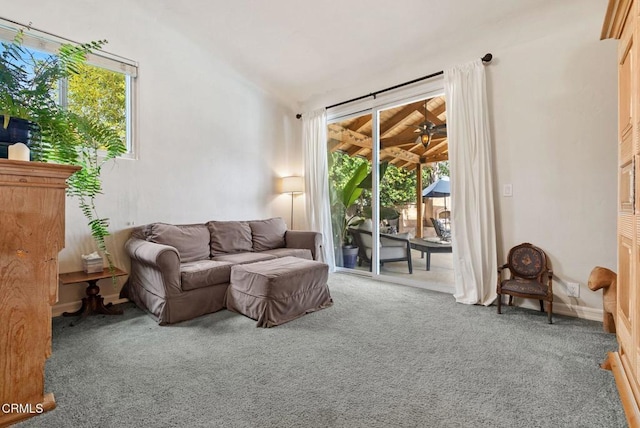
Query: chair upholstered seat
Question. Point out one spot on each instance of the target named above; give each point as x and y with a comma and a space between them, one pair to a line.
524, 286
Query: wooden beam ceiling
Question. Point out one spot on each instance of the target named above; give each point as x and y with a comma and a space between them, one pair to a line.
398, 117
397, 136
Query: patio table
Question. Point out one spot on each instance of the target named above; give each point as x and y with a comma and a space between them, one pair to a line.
428, 247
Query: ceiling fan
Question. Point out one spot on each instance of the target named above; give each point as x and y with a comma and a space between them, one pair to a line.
428, 129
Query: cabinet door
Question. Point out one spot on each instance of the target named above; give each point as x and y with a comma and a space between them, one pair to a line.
634, 191
626, 320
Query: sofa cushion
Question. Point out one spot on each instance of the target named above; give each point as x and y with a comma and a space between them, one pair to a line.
204, 273
243, 258
301, 253
191, 240
268, 234
230, 237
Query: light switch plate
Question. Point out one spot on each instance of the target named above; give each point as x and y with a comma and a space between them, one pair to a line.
507, 190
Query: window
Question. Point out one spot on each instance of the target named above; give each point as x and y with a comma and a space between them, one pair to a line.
100, 94
102, 90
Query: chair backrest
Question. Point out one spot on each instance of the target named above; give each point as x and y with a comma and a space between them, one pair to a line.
527, 261
394, 222
440, 231
362, 239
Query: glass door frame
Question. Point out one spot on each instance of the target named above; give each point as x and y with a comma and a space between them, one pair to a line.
423, 90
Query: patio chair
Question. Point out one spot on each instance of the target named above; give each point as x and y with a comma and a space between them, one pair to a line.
393, 248
530, 278
441, 231
445, 219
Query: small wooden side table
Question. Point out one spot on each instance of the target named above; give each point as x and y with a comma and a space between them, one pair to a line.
93, 303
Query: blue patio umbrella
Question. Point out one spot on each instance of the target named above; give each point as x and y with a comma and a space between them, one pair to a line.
441, 188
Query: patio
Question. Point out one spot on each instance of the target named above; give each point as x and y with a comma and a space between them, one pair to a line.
440, 277
399, 126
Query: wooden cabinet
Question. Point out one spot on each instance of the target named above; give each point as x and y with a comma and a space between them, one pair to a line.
32, 202
621, 22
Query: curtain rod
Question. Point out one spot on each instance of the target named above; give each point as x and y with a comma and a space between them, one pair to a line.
485, 59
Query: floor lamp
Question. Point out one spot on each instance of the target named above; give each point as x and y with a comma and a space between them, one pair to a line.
293, 185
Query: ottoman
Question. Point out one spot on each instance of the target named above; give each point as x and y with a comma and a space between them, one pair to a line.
276, 291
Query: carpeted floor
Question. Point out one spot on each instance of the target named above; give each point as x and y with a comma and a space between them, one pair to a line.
383, 356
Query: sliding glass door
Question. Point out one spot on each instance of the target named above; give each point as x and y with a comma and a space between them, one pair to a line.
380, 162
350, 148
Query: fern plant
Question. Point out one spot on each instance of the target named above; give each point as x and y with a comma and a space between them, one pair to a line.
28, 90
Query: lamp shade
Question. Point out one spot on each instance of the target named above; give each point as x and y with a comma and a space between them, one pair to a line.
292, 184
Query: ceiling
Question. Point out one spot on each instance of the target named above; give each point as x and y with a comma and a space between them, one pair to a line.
298, 49
397, 135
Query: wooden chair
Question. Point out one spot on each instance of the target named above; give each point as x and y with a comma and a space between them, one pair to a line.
530, 277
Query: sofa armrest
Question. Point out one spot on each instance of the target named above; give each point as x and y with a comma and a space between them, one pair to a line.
305, 239
155, 267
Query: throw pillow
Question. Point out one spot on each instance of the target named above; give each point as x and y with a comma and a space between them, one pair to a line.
230, 237
441, 230
191, 240
268, 234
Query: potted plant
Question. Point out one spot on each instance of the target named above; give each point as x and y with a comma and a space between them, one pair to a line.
347, 211
345, 214
28, 94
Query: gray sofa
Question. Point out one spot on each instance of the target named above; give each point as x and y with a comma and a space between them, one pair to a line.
179, 272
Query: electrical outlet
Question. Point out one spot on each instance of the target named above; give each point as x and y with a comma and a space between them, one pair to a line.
573, 289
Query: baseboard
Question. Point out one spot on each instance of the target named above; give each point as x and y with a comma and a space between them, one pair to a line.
562, 308
58, 309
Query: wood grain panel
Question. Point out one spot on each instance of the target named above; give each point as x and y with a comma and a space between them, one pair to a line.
615, 19
32, 197
626, 188
626, 146
626, 225
624, 88
621, 22
627, 394
625, 251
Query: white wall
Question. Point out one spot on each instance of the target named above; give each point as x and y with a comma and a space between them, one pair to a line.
211, 145
552, 100
554, 111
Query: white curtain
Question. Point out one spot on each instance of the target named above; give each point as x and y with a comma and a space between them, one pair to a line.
316, 179
473, 218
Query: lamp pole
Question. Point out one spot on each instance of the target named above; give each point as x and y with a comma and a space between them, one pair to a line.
292, 185
292, 193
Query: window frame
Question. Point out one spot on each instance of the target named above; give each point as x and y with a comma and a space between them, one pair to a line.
49, 44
